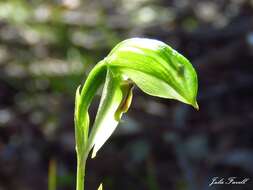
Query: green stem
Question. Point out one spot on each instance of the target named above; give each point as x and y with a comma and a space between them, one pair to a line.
52, 175
80, 173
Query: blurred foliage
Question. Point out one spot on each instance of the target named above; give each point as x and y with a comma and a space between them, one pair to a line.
48, 47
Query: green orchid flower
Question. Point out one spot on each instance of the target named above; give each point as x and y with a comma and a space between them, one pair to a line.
152, 66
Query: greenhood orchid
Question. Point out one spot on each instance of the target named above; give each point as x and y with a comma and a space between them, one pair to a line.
152, 66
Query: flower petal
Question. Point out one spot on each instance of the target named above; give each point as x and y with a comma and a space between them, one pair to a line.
114, 102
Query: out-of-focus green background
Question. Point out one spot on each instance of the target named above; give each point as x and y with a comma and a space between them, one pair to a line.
47, 48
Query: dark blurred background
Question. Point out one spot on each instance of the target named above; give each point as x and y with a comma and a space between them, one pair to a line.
47, 48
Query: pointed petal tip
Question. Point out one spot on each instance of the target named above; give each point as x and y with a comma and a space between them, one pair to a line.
100, 187
78, 92
94, 152
78, 89
195, 105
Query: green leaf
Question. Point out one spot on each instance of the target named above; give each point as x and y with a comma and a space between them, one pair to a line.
156, 68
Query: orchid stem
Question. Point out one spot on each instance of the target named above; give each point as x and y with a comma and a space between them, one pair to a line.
80, 173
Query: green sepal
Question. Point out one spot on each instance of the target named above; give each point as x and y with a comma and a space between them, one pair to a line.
84, 96
155, 68
81, 124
